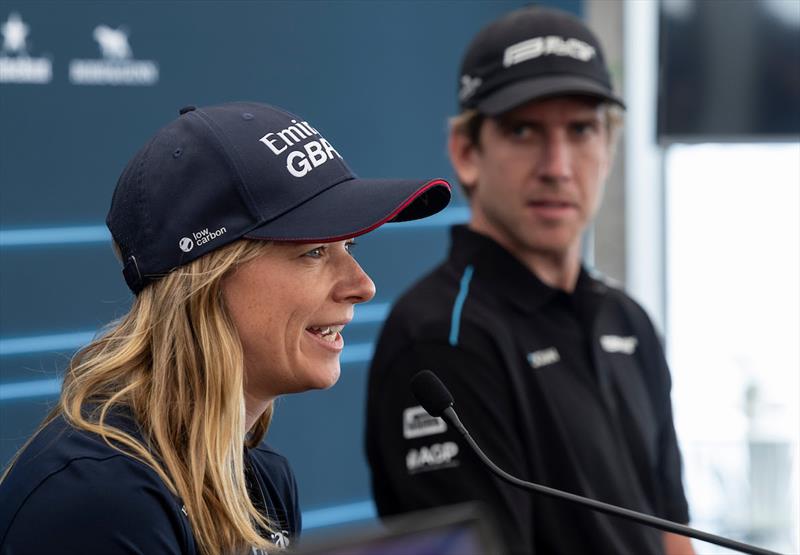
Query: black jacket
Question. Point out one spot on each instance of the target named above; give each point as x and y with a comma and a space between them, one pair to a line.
71, 493
566, 390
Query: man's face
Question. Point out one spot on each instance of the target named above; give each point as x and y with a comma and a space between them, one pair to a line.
537, 175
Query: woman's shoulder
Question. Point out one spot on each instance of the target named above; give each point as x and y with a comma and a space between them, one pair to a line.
280, 488
86, 491
273, 465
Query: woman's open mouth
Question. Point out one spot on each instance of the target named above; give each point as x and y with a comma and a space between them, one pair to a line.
328, 336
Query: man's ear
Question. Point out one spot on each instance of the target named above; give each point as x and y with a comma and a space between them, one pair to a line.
463, 155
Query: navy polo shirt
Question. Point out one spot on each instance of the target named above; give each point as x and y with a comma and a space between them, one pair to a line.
70, 492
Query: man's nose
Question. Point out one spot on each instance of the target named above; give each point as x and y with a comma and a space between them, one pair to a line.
556, 162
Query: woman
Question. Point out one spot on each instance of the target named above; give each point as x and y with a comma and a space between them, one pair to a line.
234, 225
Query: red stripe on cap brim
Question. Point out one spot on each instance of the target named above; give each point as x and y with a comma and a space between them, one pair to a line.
406, 203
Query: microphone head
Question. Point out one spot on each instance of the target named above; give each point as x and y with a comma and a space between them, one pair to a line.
431, 392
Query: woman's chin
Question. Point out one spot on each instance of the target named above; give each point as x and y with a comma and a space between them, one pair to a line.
324, 377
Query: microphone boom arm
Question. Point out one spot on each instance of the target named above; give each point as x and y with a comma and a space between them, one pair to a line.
660, 523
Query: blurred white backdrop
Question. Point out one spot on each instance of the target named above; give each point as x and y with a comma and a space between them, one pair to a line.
733, 334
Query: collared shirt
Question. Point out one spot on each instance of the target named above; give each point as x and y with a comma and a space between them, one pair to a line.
70, 492
569, 390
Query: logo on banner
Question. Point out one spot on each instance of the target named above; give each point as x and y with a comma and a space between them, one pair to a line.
16, 65
117, 66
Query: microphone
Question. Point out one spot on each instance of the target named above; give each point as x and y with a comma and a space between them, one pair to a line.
438, 401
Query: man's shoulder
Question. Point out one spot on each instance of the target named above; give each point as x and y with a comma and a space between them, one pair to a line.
431, 291
432, 303
615, 293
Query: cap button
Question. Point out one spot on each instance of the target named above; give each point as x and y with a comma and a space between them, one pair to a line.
187, 109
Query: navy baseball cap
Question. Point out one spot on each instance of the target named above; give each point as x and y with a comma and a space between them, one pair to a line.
247, 170
528, 54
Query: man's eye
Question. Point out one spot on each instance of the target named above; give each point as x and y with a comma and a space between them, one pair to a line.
316, 253
520, 131
349, 246
583, 128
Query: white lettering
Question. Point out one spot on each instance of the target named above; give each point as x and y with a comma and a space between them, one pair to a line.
617, 344
271, 144
329, 149
302, 130
26, 70
315, 154
290, 135
303, 167
550, 45
438, 455
308, 128
418, 423
201, 238
543, 357
117, 72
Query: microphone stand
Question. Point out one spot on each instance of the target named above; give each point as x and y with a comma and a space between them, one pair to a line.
660, 523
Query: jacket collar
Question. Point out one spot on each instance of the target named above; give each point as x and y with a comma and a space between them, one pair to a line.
498, 270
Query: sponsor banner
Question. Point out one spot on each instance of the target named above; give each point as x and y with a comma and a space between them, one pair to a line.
117, 65
16, 64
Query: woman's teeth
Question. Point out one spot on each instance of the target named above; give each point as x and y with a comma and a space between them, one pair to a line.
328, 333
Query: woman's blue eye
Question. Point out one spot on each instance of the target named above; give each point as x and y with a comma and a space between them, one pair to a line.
315, 253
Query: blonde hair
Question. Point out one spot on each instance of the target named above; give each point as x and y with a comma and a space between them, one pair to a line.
176, 363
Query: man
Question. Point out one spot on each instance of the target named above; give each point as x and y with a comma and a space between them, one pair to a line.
560, 377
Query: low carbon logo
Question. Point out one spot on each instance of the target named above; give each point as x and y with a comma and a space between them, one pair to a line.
186, 244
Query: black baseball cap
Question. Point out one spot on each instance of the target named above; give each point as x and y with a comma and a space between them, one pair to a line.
528, 54
247, 170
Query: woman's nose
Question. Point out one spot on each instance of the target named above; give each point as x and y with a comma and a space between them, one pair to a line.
356, 286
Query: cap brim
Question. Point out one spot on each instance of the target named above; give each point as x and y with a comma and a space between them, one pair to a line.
354, 207
520, 92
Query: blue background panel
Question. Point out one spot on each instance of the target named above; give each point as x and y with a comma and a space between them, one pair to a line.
377, 78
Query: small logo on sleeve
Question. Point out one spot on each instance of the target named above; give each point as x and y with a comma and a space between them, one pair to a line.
543, 357
619, 344
418, 423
